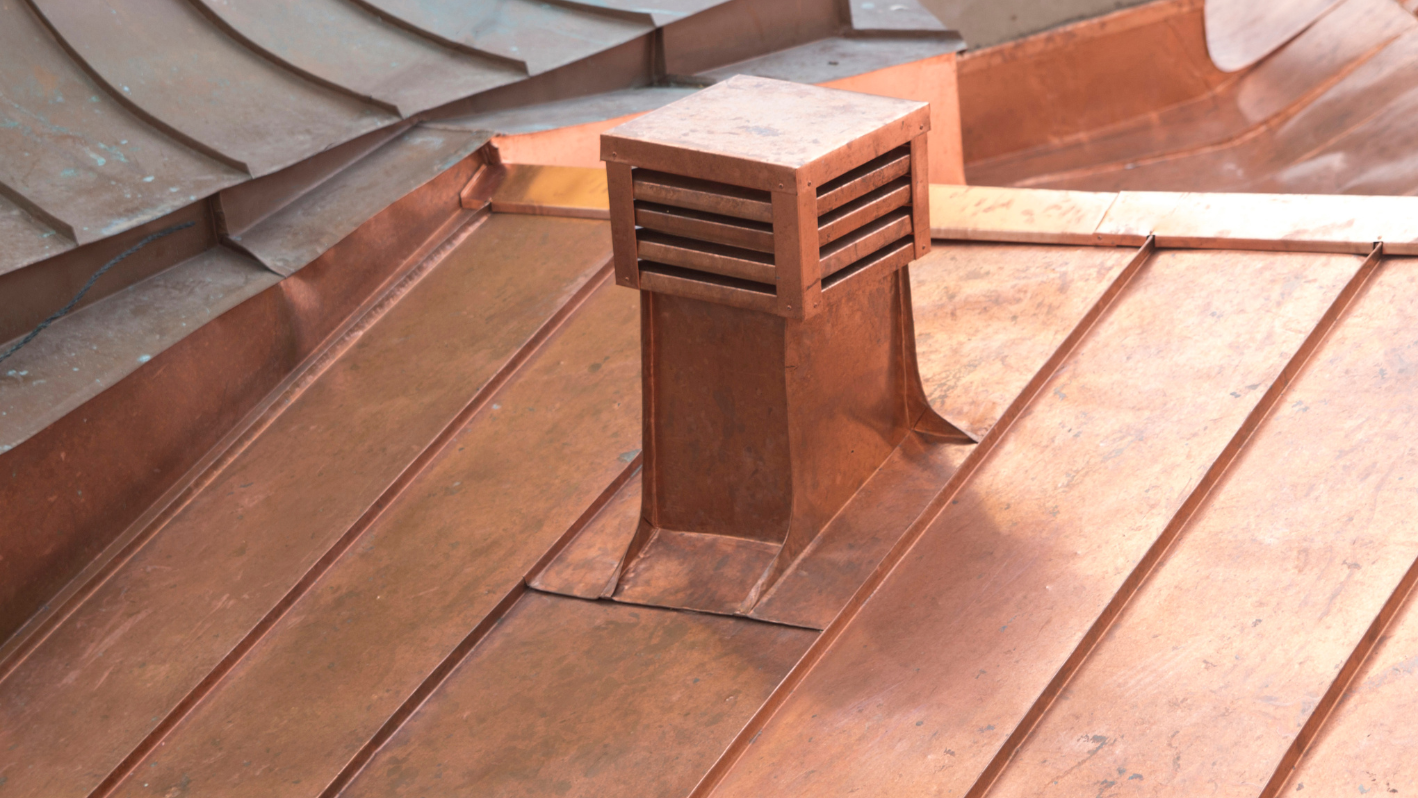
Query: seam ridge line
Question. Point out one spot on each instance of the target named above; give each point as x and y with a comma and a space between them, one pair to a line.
125, 546
917, 528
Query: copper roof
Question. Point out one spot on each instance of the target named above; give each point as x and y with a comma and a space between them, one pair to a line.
1328, 111
356, 532
120, 115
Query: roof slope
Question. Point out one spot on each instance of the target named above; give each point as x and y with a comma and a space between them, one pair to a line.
342, 603
1328, 112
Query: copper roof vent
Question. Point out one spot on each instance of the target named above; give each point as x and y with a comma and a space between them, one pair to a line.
768, 226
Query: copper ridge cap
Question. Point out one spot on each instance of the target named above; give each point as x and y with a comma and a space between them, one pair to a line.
779, 367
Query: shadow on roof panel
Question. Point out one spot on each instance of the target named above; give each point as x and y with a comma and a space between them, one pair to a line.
168, 61
77, 157
661, 12
344, 45
540, 36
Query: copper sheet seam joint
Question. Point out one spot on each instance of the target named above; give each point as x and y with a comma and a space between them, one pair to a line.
768, 226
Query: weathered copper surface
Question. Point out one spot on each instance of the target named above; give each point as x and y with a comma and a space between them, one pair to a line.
967, 213
1326, 113
102, 343
533, 36
1239, 33
343, 45
165, 61
1033, 541
588, 565
989, 317
73, 499
74, 158
421, 576
317, 220
272, 518
32, 294
818, 584
1228, 675
577, 698
1013, 96
1276, 222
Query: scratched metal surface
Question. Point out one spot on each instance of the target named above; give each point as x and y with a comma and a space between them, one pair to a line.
77, 157
461, 537
168, 62
533, 36
1229, 675
974, 621
344, 45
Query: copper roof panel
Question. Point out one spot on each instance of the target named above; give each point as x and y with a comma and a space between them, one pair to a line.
207, 577
988, 317
77, 158
301, 231
1151, 58
100, 344
1367, 744
870, 15
168, 61
565, 113
1303, 74
1225, 652
24, 239
841, 57
660, 12
539, 36
1373, 157
1240, 32
588, 565
343, 45
817, 586
986, 213
463, 535
973, 622
578, 698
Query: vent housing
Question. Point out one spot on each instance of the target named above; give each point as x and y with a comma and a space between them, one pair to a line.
746, 215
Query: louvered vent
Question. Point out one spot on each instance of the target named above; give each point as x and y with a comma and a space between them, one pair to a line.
722, 235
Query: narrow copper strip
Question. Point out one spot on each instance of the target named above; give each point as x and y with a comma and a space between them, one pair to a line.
972, 463
353, 534
19, 647
1179, 522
